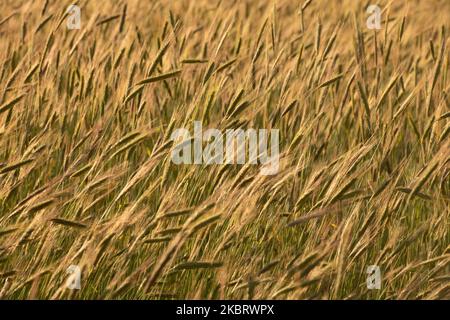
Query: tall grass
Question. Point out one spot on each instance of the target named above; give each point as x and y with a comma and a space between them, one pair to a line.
86, 176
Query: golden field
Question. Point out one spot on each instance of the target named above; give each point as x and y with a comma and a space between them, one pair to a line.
86, 176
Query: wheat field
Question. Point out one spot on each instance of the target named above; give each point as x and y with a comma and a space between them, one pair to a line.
86, 177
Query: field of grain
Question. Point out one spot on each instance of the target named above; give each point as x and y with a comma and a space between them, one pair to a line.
86, 177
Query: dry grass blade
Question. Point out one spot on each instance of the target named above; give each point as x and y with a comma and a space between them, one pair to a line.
68, 223
159, 78
8, 105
